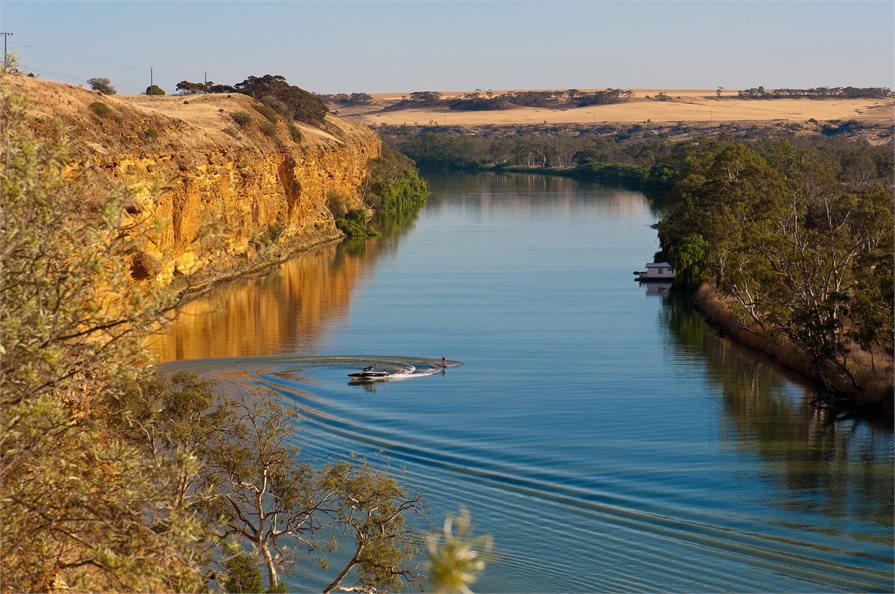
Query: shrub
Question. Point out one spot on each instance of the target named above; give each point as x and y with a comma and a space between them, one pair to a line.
354, 225
277, 105
155, 90
272, 233
100, 108
294, 132
301, 104
241, 118
270, 129
102, 85
268, 112
243, 575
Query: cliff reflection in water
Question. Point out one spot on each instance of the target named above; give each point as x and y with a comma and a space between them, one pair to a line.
285, 310
816, 464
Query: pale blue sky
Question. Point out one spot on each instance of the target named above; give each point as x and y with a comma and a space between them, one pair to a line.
377, 46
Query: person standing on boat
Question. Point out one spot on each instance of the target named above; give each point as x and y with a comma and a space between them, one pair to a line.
443, 361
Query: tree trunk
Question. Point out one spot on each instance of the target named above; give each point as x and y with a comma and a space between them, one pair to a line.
272, 579
337, 582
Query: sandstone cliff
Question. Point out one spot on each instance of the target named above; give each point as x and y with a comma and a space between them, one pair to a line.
215, 194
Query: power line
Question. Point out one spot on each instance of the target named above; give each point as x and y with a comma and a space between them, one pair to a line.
70, 55
71, 77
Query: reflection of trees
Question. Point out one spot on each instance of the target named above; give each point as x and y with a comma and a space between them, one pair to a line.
847, 462
532, 192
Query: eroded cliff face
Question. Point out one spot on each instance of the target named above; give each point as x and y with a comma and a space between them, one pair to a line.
212, 196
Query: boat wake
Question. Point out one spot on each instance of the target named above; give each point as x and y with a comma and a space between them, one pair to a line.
396, 368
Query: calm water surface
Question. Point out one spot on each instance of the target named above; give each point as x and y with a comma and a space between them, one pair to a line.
605, 437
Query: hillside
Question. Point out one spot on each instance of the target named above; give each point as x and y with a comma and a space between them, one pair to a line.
191, 167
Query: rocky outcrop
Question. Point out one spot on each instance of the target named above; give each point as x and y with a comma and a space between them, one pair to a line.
211, 196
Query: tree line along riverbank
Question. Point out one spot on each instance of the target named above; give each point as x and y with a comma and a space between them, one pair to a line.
785, 240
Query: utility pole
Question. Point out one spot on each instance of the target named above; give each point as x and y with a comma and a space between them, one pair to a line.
150, 76
206, 79
5, 37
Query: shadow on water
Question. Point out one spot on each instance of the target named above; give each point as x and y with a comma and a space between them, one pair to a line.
837, 468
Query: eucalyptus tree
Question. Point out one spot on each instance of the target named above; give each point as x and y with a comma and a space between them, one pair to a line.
274, 504
372, 509
780, 235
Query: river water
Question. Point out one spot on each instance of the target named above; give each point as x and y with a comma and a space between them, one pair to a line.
604, 436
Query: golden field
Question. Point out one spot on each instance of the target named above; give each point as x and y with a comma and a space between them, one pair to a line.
689, 105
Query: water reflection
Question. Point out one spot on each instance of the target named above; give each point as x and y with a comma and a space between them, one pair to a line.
523, 193
285, 310
660, 288
842, 469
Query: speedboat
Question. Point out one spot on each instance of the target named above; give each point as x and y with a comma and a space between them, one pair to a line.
369, 374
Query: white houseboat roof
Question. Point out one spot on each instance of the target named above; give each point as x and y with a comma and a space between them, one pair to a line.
658, 265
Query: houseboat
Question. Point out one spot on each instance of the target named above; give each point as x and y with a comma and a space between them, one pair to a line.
656, 272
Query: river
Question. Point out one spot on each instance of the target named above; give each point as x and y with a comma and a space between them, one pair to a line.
605, 437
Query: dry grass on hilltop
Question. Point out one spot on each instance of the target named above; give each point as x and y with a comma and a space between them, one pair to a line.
685, 106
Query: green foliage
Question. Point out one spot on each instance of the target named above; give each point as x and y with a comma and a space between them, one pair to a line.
103, 85
186, 87
688, 257
779, 234
299, 104
253, 473
100, 109
606, 156
243, 575
276, 105
394, 190
268, 112
241, 118
354, 225
456, 557
155, 90
372, 508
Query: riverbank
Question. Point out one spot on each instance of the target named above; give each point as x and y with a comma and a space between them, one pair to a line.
872, 395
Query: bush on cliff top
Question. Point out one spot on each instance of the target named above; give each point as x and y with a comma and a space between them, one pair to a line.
298, 103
